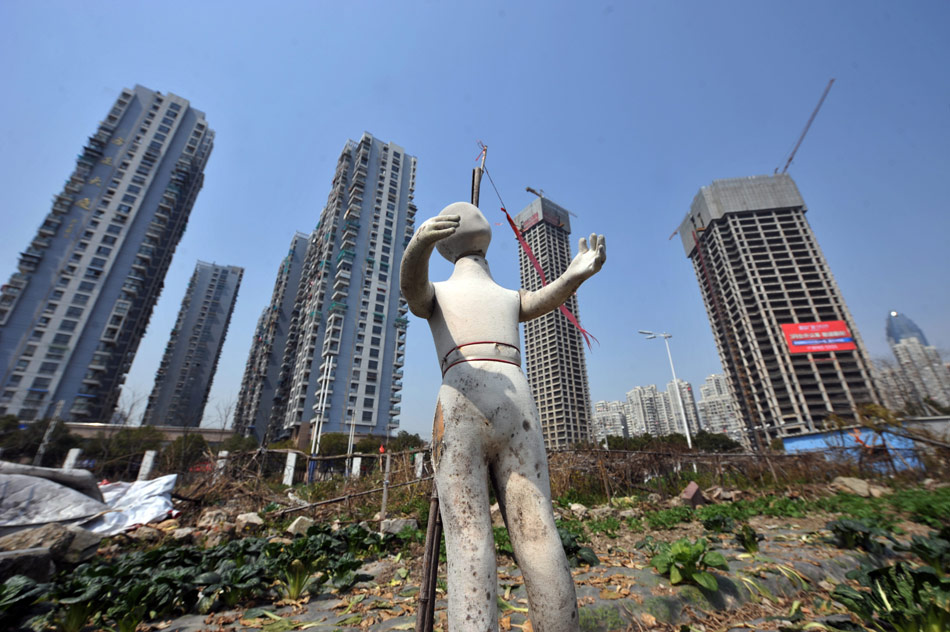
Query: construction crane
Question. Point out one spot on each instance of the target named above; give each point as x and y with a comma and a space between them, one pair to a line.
540, 194
811, 119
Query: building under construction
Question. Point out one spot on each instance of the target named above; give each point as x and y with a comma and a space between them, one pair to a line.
788, 343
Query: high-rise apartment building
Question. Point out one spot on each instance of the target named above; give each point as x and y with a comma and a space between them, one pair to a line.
184, 377
718, 410
787, 341
608, 420
674, 421
644, 409
72, 316
554, 349
658, 413
265, 370
921, 371
341, 362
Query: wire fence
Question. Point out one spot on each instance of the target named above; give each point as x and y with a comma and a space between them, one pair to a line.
400, 482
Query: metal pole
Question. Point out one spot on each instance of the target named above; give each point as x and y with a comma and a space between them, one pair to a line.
315, 439
318, 426
679, 396
382, 511
48, 435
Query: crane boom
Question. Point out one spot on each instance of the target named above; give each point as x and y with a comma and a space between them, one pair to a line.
811, 119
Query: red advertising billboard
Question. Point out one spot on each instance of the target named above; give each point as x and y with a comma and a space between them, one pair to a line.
830, 335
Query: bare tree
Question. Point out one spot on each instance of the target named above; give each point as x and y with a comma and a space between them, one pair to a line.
224, 410
126, 412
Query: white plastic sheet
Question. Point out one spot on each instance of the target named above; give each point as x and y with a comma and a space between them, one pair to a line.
30, 501
135, 503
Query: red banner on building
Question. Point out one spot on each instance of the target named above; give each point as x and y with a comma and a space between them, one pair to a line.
830, 335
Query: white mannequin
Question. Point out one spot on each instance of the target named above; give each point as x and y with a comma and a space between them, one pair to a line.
486, 422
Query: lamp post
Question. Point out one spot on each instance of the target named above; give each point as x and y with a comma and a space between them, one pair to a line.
666, 338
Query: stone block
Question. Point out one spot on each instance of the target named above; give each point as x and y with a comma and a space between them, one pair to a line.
692, 495
248, 521
185, 535
852, 485
145, 534
54, 537
300, 526
599, 513
83, 547
396, 525
36, 563
579, 510
211, 517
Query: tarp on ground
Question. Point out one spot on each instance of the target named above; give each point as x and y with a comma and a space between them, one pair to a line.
79, 479
27, 501
135, 503
32, 501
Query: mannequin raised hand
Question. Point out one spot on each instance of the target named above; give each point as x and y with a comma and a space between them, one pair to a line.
589, 260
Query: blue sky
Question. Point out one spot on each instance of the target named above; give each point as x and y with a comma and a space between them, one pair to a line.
619, 111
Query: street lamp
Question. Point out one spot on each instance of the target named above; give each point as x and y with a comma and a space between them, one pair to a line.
679, 397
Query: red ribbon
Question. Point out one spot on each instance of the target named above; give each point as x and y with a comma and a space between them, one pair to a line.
537, 266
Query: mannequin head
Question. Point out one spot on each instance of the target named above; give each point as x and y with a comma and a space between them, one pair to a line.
471, 238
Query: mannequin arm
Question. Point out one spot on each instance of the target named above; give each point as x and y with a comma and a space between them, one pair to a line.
414, 269
586, 264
